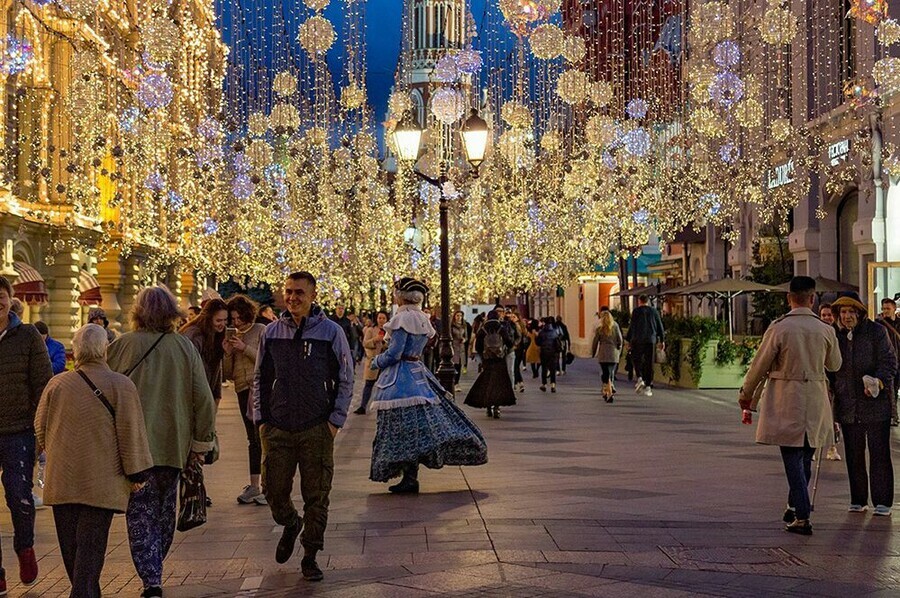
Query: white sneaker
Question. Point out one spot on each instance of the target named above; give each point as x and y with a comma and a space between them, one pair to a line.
639, 389
639, 384
648, 392
832, 454
38, 501
857, 509
248, 496
261, 500
882, 511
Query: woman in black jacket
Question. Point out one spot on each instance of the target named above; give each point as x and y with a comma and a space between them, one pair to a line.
862, 405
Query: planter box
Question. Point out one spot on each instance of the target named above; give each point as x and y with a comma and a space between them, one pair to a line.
712, 375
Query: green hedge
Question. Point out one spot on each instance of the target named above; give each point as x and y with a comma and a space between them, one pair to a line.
701, 331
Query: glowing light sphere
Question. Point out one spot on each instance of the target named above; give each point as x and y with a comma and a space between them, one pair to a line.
161, 39
601, 131
448, 105
781, 129
640, 217
155, 91
713, 22
637, 142
727, 89
257, 124
259, 153
285, 117
749, 113
636, 108
317, 5
778, 26
870, 11
574, 48
521, 13
245, 246
727, 54
468, 62
17, 54
516, 114
886, 73
600, 93
547, 41
241, 163
242, 186
316, 136
353, 96
889, 32
551, 142
208, 155
446, 70
210, 226
572, 86
284, 84
399, 103
706, 122
316, 35
209, 128
729, 152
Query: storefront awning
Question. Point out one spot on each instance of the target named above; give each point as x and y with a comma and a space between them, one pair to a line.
89, 289
29, 286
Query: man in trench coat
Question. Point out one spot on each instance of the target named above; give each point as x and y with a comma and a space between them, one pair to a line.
787, 382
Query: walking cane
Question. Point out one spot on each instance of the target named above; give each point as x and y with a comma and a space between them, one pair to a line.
812, 502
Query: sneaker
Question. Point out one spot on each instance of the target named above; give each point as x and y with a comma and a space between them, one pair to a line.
248, 495
38, 501
895, 422
639, 387
790, 515
496, 413
553, 388
857, 509
648, 391
882, 511
285, 548
543, 388
832, 454
151, 591
310, 569
799, 526
28, 567
261, 500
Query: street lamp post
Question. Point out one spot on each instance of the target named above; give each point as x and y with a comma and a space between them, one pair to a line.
407, 137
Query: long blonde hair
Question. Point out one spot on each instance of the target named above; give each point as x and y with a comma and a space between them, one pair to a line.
606, 323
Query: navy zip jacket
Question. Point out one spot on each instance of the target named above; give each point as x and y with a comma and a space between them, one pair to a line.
304, 375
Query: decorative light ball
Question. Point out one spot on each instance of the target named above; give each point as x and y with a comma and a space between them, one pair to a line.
636, 108
729, 152
284, 116
520, 13
601, 131
551, 142
446, 70
870, 11
259, 153
241, 163
317, 5
161, 39
468, 62
353, 96
547, 41
284, 84
364, 143
242, 186
209, 226
316, 136
727, 89
155, 91
516, 114
727, 54
16, 55
706, 122
129, 120
888, 32
886, 73
750, 113
637, 142
174, 201
209, 128
574, 48
399, 103
548, 8
81, 8
600, 93
778, 26
713, 22
208, 155
316, 35
448, 105
781, 129
572, 86
701, 76
257, 124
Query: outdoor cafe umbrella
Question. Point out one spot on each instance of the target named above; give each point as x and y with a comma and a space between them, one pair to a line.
728, 289
824, 285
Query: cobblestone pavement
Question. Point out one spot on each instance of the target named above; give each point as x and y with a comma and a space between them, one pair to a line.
648, 496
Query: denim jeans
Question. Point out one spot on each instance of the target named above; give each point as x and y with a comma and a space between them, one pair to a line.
798, 468
17, 460
367, 393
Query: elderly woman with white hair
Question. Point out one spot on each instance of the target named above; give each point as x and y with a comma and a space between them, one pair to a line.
90, 477
418, 422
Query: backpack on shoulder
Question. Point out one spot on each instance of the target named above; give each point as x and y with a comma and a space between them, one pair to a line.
493, 345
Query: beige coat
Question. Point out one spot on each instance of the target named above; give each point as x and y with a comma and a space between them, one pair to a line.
794, 354
373, 343
88, 454
240, 366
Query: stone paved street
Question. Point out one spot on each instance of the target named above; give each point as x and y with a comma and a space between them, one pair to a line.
649, 496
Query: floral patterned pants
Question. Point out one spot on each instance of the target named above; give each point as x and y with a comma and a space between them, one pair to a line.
151, 523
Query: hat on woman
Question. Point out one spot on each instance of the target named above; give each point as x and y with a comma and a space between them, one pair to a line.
850, 299
408, 284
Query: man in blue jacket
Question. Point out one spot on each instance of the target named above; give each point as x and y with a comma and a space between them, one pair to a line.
302, 390
55, 348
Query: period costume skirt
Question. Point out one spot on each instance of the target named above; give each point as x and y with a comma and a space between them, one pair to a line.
431, 434
492, 388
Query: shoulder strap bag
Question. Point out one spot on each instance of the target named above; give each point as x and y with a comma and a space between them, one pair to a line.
98, 393
144, 356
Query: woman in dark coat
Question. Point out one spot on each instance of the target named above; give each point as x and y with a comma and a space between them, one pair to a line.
863, 389
550, 342
493, 388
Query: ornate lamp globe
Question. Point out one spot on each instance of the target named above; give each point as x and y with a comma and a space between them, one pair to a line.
475, 134
407, 136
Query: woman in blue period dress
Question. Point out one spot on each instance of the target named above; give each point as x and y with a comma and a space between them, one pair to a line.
418, 422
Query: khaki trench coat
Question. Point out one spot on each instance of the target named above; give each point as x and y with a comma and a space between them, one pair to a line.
794, 354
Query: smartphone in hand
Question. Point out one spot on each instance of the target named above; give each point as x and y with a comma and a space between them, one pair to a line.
229, 333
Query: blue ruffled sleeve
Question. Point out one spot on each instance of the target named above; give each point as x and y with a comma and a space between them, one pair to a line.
394, 351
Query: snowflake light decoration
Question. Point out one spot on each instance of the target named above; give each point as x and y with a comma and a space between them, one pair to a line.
155, 91
16, 55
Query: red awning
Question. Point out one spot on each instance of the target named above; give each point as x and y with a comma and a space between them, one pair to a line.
29, 286
89, 289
